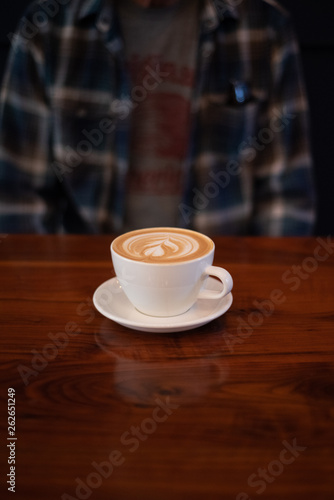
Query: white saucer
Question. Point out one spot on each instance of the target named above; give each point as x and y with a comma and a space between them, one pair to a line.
110, 300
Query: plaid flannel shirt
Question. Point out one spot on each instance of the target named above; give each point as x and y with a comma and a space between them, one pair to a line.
66, 114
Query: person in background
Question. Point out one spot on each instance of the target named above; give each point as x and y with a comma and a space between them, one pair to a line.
123, 114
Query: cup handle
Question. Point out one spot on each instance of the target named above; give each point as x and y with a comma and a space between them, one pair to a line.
226, 279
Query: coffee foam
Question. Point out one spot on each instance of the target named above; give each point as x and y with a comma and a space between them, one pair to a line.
162, 245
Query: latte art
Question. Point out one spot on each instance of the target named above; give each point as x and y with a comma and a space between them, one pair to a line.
162, 245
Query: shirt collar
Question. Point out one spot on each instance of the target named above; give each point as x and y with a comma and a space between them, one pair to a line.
218, 9
105, 19
104, 11
89, 7
214, 11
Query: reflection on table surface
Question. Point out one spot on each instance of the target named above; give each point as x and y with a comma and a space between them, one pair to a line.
239, 408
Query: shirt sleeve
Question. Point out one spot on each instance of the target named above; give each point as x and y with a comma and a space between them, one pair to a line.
284, 193
24, 137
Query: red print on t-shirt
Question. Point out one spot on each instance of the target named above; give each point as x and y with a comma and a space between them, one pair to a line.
160, 126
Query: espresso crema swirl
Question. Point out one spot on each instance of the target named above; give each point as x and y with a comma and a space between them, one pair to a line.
162, 246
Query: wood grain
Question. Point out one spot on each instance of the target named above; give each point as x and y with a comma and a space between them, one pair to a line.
240, 408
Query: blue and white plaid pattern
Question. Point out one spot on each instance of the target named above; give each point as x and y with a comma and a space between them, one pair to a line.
66, 116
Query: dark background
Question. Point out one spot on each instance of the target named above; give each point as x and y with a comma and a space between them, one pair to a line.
314, 23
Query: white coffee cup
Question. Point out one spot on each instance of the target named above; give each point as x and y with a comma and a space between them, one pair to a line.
163, 271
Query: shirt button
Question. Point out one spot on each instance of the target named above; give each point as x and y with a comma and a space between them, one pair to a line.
81, 112
103, 24
207, 50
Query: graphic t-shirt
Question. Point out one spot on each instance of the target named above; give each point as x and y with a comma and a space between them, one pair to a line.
160, 48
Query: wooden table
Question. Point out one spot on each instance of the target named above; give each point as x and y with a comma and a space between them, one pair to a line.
240, 408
